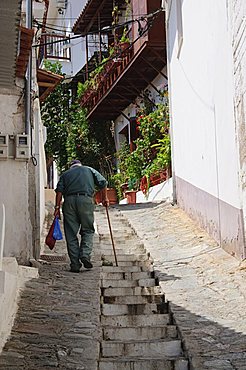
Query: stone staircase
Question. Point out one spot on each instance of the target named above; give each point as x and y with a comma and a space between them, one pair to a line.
137, 328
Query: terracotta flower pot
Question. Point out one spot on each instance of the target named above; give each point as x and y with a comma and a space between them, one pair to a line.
124, 45
112, 196
131, 196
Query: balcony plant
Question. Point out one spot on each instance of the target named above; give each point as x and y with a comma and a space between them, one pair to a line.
152, 156
124, 42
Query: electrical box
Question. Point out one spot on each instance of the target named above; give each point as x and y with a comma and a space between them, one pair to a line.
4, 146
22, 147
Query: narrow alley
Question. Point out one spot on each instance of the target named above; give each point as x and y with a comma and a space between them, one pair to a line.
113, 317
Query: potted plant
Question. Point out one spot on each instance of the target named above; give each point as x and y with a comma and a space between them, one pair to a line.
131, 193
124, 42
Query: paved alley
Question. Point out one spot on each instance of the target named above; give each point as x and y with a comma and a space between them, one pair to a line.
172, 298
204, 285
105, 319
57, 324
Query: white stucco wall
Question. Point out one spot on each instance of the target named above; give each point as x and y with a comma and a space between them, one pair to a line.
64, 22
201, 88
238, 29
14, 187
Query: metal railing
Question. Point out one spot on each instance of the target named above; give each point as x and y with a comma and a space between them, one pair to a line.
110, 73
55, 46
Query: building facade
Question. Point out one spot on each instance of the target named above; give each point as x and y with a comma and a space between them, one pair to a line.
206, 83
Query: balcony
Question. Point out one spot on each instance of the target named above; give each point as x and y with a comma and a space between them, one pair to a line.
130, 71
55, 46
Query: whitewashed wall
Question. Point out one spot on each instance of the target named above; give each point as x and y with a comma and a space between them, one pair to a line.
238, 29
15, 183
201, 86
64, 22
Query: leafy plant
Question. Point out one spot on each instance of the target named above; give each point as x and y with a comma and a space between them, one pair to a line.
69, 134
153, 149
124, 38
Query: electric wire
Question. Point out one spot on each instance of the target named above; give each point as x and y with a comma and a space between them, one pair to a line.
103, 30
117, 55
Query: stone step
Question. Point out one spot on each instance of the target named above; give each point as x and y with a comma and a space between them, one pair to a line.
128, 257
140, 364
145, 333
133, 309
118, 231
141, 291
107, 283
131, 263
158, 348
156, 320
107, 244
144, 268
127, 275
134, 299
126, 236
108, 250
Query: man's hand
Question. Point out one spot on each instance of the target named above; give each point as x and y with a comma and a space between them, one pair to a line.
57, 205
57, 213
105, 202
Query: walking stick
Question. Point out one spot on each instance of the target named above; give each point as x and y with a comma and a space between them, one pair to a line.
111, 234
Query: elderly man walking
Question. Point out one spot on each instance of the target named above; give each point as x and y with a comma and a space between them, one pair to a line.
77, 187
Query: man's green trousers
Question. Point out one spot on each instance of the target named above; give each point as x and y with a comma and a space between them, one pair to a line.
78, 213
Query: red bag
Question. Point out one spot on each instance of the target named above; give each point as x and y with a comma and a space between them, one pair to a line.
49, 240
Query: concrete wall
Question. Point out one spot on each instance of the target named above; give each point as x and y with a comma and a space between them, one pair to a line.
237, 13
205, 155
12, 279
157, 193
15, 182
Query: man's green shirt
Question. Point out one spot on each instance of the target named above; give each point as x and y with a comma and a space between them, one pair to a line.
80, 179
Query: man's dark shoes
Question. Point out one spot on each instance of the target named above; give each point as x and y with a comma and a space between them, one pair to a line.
87, 264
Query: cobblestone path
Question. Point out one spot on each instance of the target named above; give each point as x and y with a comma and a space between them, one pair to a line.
109, 318
205, 287
62, 321
57, 324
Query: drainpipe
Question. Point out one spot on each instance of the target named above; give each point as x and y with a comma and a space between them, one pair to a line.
2, 235
28, 83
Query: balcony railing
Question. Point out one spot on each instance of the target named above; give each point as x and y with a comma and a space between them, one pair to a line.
55, 46
124, 77
106, 78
